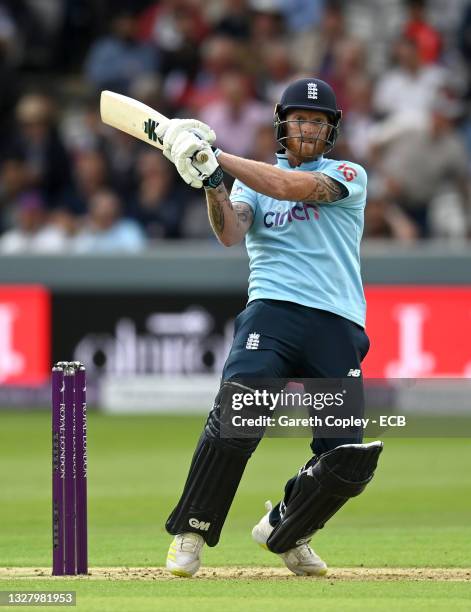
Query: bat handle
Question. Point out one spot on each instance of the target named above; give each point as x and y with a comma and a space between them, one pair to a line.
202, 157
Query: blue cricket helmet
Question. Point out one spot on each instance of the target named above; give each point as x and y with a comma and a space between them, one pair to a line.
310, 94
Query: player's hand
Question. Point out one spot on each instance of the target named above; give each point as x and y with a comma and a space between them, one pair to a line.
169, 132
196, 173
186, 146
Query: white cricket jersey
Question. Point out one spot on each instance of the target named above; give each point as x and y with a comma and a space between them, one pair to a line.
305, 252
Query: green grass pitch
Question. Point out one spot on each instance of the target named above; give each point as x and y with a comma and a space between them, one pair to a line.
415, 514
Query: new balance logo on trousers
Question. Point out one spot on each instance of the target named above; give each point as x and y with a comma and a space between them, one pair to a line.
354, 373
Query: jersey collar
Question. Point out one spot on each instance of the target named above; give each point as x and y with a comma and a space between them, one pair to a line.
282, 162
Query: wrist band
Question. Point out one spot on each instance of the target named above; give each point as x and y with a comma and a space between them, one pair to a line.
215, 179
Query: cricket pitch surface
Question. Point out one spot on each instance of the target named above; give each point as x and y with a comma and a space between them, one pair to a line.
250, 573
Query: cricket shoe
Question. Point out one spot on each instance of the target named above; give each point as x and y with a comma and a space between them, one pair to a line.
184, 554
301, 560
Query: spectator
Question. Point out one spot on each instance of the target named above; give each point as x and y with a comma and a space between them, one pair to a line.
236, 118
358, 121
417, 167
348, 62
84, 130
195, 224
32, 232
410, 86
220, 54
148, 89
265, 145
266, 22
121, 151
384, 219
158, 204
418, 29
302, 15
464, 35
276, 71
114, 61
14, 180
91, 177
37, 141
464, 45
81, 23
176, 28
235, 21
106, 231
171, 24
313, 52
9, 75
9, 34
376, 25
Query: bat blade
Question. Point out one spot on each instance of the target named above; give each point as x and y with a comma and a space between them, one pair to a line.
135, 118
131, 116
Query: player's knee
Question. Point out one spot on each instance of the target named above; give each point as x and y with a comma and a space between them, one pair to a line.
220, 415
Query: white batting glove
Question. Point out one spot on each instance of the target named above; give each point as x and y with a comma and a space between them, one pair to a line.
196, 173
186, 146
168, 133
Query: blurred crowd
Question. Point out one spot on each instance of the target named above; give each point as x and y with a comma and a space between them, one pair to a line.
401, 70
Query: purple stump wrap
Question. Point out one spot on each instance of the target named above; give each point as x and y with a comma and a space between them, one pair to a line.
81, 469
58, 467
69, 488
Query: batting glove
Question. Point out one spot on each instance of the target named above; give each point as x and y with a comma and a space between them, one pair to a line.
186, 146
184, 155
168, 133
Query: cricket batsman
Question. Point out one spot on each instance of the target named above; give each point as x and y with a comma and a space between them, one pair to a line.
302, 220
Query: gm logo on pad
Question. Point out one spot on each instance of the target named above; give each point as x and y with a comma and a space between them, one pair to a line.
200, 525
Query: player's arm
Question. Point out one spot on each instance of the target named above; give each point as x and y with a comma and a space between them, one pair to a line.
283, 184
230, 222
262, 178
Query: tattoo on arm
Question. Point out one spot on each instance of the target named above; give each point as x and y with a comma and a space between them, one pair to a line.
244, 215
221, 213
326, 189
218, 200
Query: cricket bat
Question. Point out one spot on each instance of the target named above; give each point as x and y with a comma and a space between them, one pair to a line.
135, 118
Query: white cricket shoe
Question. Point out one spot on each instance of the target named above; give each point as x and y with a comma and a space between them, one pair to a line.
301, 560
184, 554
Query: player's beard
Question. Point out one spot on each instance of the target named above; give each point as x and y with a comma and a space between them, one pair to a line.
307, 146
305, 149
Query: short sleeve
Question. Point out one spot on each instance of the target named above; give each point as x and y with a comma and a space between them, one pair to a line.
242, 193
353, 177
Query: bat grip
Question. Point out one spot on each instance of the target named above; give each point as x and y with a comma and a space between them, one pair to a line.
202, 157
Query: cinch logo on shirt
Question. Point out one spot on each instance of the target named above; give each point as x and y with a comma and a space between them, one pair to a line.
301, 211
